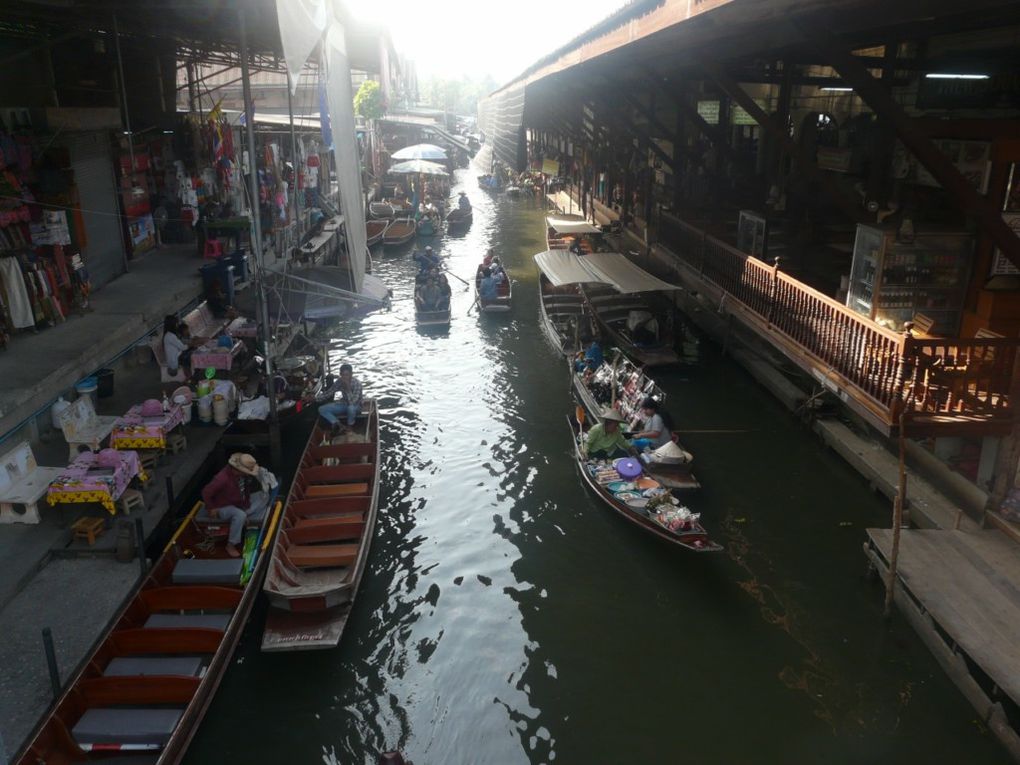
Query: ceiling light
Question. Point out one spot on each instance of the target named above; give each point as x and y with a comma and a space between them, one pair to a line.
835, 89
952, 76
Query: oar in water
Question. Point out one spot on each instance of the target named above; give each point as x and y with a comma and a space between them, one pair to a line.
466, 282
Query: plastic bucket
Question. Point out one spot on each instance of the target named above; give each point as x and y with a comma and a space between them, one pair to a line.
205, 409
87, 387
104, 382
220, 410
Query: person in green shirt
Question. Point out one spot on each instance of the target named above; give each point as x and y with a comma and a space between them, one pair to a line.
605, 440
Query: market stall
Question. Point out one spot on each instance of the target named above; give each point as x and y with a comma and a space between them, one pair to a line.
146, 425
96, 477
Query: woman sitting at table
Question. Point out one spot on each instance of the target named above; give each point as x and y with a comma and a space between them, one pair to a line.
176, 349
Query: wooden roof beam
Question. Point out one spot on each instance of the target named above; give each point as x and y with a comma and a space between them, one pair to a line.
849, 205
880, 100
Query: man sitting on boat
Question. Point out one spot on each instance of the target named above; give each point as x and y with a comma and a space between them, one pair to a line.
463, 202
426, 260
649, 426
605, 440
487, 286
349, 405
644, 327
230, 496
429, 297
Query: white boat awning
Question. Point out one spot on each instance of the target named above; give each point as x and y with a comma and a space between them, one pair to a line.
571, 226
563, 267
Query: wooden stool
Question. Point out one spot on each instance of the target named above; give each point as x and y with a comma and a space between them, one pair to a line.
131, 499
148, 459
88, 528
176, 442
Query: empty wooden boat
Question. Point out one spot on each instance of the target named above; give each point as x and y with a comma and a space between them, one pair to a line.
325, 533
638, 324
562, 230
375, 230
458, 219
399, 233
689, 534
381, 210
143, 692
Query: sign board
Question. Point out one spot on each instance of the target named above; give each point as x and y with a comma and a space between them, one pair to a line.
709, 111
1001, 265
550, 167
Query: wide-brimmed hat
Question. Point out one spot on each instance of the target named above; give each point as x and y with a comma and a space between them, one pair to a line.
244, 463
610, 414
671, 454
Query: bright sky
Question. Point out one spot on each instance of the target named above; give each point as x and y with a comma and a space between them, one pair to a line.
451, 38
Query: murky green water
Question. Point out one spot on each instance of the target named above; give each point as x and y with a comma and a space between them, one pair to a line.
506, 617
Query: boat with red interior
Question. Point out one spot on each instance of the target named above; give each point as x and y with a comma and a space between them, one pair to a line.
325, 532
142, 694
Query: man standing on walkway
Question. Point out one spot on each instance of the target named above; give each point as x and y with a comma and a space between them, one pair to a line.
349, 405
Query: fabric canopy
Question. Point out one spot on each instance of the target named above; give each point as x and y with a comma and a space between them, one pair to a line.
562, 267
302, 24
420, 151
571, 226
413, 166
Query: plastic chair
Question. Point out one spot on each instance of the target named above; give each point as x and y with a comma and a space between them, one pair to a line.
213, 249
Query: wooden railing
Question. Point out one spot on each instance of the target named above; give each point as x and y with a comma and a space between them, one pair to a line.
944, 379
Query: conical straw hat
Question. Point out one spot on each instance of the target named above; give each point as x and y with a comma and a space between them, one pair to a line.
670, 453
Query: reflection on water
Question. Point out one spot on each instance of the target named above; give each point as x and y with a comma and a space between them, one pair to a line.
505, 617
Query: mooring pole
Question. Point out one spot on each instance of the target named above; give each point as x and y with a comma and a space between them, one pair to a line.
140, 546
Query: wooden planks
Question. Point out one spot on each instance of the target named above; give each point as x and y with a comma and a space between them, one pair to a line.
969, 583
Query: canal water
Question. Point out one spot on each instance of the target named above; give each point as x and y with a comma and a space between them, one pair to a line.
508, 617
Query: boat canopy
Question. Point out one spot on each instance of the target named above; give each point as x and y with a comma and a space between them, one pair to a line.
562, 267
571, 226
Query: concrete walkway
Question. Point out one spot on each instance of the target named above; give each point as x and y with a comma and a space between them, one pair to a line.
37, 367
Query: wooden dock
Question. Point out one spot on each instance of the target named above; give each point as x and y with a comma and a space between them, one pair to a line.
961, 591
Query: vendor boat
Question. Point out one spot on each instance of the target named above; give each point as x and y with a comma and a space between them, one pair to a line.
513, 191
504, 295
145, 689
666, 521
328, 521
399, 233
375, 230
426, 226
459, 219
617, 315
628, 386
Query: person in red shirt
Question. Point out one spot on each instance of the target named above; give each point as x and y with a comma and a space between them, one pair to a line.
237, 493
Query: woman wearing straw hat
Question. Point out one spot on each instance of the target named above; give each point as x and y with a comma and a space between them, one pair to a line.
229, 496
605, 440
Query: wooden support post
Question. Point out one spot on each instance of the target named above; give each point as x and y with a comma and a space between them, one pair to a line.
878, 97
897, 520
847, 204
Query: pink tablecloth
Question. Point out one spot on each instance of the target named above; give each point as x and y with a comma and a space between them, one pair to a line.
241, 327
84, 481
217, 358
132, 431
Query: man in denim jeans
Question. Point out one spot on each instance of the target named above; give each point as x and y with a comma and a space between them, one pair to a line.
349, 405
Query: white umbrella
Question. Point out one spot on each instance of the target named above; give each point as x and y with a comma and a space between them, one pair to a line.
420, 151
418, 166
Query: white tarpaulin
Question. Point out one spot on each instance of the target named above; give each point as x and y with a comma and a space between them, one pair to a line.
615, 269
571, 226
302, 23
345, 149
562, 267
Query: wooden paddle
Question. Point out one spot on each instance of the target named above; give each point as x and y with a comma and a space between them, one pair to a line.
451, 273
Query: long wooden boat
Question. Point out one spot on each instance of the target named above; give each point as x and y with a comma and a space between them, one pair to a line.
632, 386
142, 694
691, 536
375, 230
562, 230
458, 219
612, 311
563, 315
504, 295
320, 553
381, 210
400, 232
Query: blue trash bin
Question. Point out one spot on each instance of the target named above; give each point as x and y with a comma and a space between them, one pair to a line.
218, 284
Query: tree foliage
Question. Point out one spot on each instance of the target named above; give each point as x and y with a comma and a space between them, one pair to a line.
368, 101
456, 96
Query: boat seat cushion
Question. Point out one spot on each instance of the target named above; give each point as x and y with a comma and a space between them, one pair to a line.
188, 621
127, 666
208, 571
126, 725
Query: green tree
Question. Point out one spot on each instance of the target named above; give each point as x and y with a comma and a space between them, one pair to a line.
368, 101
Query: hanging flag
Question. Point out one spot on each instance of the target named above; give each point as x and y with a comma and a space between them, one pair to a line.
324, 122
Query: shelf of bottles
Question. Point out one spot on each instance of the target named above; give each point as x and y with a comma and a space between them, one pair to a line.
891, 280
